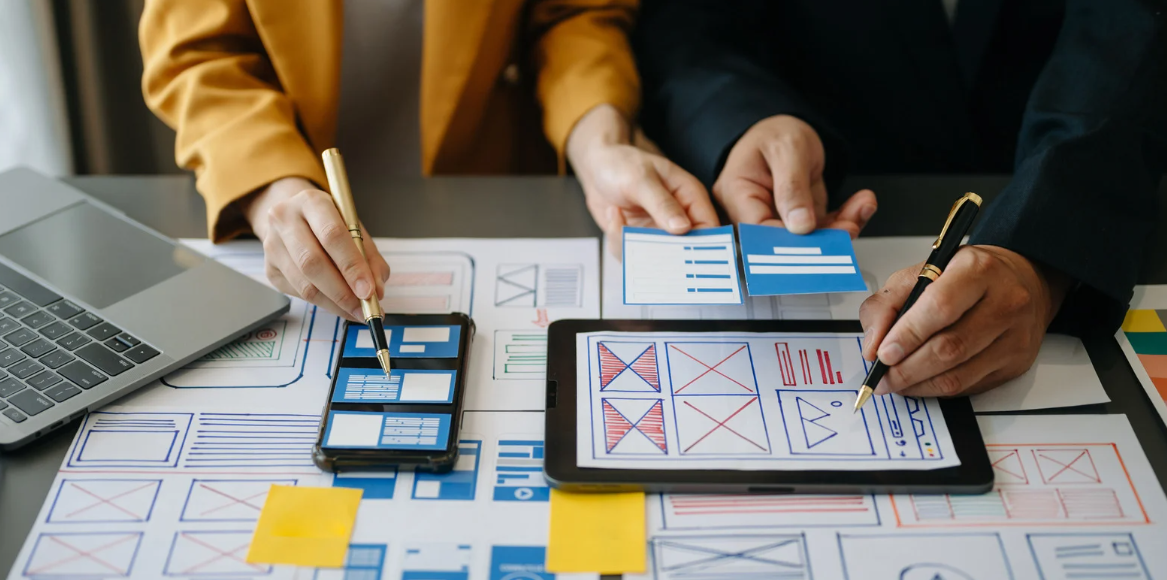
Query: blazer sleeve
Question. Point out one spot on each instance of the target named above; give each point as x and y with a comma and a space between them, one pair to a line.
207, 75
708, 76
1091, 152
582, 58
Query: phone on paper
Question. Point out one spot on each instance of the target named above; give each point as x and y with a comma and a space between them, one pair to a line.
411, 417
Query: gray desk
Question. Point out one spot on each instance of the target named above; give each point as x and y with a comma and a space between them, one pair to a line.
536, 207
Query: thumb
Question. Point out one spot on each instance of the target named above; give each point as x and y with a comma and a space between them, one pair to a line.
790, 171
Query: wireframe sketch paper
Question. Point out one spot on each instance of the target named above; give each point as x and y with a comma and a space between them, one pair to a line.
1062, 376
697, 268
747, 401
779, 262
1143, 339
1075, 498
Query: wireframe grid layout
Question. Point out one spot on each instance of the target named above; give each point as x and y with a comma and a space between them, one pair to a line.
744, 401
539, 285
679, 512
957, 556
731, 556
520, 355
697, 268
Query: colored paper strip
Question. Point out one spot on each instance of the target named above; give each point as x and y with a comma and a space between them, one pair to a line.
1142, 321
597, 532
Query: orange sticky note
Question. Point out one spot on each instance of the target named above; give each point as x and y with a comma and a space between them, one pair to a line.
597, 532
305, 526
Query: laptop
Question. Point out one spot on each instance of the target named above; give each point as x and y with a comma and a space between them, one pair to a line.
94, 305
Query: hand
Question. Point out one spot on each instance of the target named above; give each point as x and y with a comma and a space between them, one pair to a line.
307, 249
625, 184
774, 176
978, 325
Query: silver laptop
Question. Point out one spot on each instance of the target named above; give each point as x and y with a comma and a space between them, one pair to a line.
94, 305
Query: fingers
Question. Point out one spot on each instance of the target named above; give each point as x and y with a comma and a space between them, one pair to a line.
278, 261
311, 271
937, 362
376, 261
660, 204
333, 235
855, 213
615, 231
978, 374
878, 312
941, 304
793, 195
689, 192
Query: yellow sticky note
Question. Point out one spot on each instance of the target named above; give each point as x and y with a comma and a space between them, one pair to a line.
305, 526
597, 532
1142, 321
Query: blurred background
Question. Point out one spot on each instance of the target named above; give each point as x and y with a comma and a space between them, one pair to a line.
70, 102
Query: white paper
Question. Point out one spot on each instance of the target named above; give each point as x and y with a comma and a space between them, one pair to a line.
1100, 516
746, 401
1145, 298
1062, 376
700, 268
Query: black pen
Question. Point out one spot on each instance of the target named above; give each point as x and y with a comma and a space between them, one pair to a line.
960, 219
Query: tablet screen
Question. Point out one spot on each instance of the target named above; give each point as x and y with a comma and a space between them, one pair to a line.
744, 401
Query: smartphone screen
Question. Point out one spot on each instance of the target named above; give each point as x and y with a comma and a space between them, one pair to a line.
411, 415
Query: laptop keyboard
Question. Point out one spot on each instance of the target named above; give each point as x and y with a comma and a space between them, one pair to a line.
49, 348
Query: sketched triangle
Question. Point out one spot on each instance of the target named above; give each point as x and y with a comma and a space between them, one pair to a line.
616, 426
810, 415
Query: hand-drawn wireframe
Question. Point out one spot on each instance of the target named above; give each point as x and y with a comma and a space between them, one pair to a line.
711, 368
518, 563
251, 441
373, 485
539, 285
730, 556
720, 425
429, 561
83, 555
200, 553
429, 283
1087, 555
628, 366
520, 355
362, 562
634, 426
1049, 485
139, 440
761, 511
822, 423
924, 557
227, 500
518, 469
102, 501
459, 484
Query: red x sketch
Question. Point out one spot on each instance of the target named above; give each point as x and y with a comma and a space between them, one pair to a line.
1066, 466
109, 500
93, 554
711, 369
1007, 466
722, 425
211, 553
227, 499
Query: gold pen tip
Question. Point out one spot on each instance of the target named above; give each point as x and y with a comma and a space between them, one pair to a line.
383, 358
864, 395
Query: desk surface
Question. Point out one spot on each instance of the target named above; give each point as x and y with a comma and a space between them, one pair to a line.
540, 207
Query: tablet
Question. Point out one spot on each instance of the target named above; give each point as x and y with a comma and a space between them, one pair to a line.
743, 406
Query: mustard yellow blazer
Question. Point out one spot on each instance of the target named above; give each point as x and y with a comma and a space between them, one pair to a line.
252, 86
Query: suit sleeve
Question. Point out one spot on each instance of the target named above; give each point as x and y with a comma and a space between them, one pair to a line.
1091, 152
582, 58
708, 77
207, 75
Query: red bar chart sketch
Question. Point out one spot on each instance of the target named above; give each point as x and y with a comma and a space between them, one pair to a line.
1051, 485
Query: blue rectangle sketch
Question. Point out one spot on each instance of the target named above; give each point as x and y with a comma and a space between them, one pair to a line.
779, 262
925, 556
372, 430
227, 500
519, 471
233, 440
731, 556
97, 501
355, 385
146, 440
458, 484
405, 341
1076, 556
697, 268
212, 554
83, 555
518, 563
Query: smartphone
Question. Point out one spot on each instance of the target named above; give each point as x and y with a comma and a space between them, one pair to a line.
411, 417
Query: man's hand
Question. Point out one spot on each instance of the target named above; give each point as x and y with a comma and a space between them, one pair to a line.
978, 325
774, 176
307, 249
629, 185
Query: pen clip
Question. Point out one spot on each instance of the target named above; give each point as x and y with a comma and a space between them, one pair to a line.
967, 197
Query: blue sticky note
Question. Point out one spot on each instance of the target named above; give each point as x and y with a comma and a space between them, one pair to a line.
779, 262
697, 268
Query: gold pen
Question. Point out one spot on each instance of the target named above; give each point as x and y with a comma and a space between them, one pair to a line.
342, 195
960, 219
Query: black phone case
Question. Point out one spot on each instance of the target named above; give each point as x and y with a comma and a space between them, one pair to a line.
335, 460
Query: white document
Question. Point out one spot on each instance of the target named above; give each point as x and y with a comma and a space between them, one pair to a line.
1146, 298
1062, 376
1075, 499
698, 268
746, 401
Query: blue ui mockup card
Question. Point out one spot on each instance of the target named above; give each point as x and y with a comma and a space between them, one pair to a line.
779, 262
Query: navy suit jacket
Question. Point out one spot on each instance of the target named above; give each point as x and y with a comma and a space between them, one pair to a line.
1068, 95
